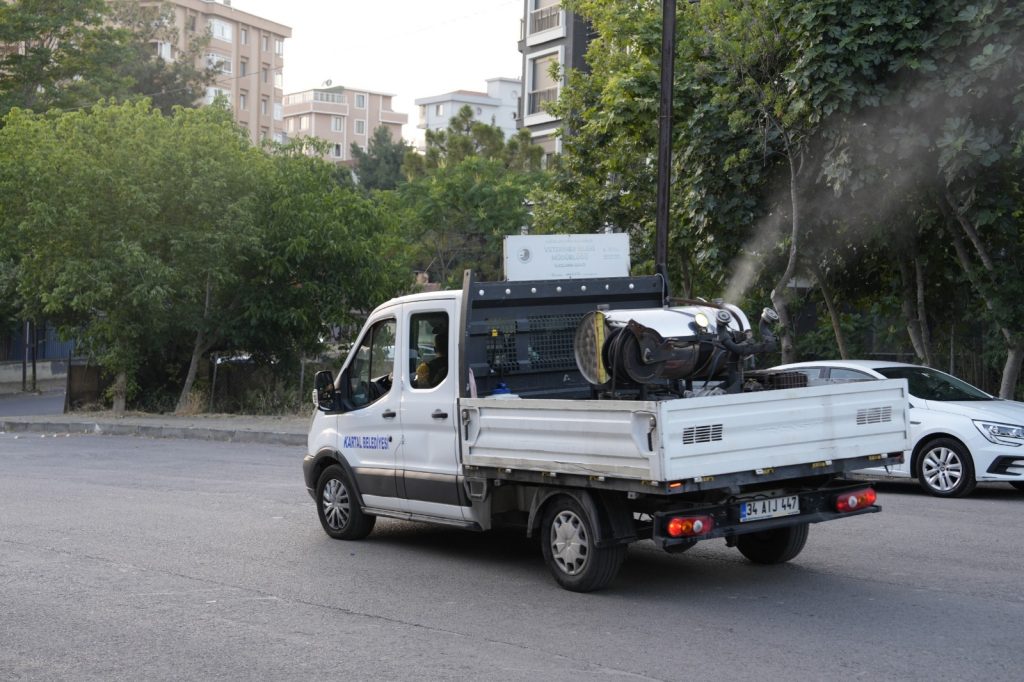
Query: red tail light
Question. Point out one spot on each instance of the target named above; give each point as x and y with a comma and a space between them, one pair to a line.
855, 499
689, 526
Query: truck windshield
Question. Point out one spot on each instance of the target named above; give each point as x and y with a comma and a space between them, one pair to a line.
930, 384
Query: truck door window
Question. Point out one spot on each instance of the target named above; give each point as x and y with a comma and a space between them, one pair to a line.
372, 371
428, 349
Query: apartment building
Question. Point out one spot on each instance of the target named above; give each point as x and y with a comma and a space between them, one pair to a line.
341, 116
249, 53
548, 35
498, 106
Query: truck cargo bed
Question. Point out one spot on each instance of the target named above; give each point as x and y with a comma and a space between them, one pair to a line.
687, 439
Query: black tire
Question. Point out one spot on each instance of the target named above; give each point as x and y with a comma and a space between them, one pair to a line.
945, 468
337, 505
568, 535
1019, 485
774, 546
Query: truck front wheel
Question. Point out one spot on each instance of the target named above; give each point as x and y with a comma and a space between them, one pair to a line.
773, 546
337, 505
568, 541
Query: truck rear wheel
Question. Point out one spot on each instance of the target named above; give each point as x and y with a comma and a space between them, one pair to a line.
337, 505
774, 546
568, 541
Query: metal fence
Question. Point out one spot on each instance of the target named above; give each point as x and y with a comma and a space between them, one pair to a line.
48, 344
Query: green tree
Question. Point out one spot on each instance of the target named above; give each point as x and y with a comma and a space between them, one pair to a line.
167, 83
153, 238
67, 55
380, 165
77, 192
467, 192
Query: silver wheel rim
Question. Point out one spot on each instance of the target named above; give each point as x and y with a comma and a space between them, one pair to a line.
335, 504
569, 545
942, 469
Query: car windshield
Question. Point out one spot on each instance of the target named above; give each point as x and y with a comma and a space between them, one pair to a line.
929, 384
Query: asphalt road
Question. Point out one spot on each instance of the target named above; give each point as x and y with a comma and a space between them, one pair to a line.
127, 558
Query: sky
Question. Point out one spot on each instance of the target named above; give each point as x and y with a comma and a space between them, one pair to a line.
408, 48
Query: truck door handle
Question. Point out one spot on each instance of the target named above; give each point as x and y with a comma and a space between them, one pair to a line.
438, 414
389, 414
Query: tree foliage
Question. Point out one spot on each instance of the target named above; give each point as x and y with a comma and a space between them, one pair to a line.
68, 55
380, 165
464, 195
868, 149
161, 239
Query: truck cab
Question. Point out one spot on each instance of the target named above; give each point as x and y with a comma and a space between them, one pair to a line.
394, 420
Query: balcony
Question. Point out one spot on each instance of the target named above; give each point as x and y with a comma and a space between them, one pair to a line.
538, 97
545, 19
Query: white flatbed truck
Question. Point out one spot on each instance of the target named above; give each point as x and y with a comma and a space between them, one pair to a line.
520, 430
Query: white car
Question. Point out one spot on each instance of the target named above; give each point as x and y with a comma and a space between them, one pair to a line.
961, 434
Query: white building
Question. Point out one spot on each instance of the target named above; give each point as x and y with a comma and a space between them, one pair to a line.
498, 106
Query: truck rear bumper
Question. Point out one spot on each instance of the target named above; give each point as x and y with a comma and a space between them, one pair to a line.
815, 506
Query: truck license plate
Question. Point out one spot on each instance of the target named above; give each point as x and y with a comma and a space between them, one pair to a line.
770, 508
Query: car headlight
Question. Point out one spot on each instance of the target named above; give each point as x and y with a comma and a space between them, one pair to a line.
1002, 434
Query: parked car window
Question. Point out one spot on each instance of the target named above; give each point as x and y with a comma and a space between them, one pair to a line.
841, 375
813, 374
930, 384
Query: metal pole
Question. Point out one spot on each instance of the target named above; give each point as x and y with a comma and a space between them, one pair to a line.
35, 346
668, 53
24, 360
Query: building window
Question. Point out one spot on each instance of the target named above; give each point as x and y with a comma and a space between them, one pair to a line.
303, 122
243, 36
439, 110
479, 111
163, 51
543, 86
190, 23
219, 62
243, 68
278, 80
265, 74
360, 101
278, 46
213, 93
336, 151
265, 42
264, 133
221, 30
242, 101
545, 15
278, 111
264, 106
360, 127
291, 125
338, 124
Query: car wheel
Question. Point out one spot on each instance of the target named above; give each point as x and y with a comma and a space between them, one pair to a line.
568, 535
945, 468
774, 546
338, 506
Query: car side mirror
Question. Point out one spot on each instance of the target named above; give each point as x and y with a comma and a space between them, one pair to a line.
325, 396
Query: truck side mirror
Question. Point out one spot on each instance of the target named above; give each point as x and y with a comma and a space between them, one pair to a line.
324, 393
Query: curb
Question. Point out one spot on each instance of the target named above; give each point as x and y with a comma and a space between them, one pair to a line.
154, 431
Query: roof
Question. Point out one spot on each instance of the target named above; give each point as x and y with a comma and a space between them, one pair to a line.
854, 364
465, 96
